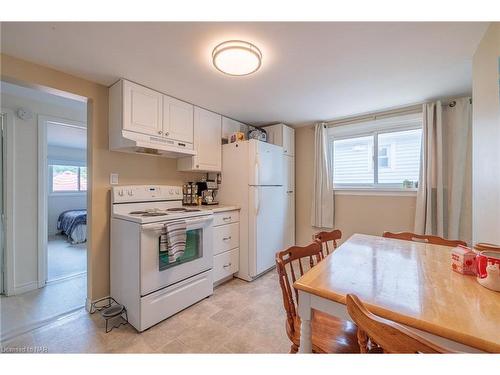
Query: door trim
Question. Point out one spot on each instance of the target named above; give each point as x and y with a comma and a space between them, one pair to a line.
9, 195
43, 190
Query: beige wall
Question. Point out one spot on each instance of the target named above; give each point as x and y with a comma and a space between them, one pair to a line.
353, 213
486, 138
133, 169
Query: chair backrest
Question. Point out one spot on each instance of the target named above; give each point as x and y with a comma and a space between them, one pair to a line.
388, 336
483, 246
325, 237
289, 265
435, 240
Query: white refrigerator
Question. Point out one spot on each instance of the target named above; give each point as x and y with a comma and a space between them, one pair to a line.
252, 178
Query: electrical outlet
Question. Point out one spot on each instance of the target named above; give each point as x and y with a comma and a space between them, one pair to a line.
113, 178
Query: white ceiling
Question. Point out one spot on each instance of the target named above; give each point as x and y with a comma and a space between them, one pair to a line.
60, 135
41, 96
66, 136
310, 72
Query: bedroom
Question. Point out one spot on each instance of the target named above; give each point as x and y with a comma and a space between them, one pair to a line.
47, 274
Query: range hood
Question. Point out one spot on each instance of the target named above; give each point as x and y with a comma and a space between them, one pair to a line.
132, 142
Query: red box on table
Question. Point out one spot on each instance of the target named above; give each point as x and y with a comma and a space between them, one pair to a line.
463, 260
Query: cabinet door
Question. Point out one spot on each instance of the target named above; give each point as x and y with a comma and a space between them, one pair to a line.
288, 141
207, 133
142, 109
289, 173
289, 239
177, 119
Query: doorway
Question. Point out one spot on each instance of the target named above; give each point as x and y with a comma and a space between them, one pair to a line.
62, 199
46, 251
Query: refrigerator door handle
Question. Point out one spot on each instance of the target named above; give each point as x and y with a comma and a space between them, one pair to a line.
257, 203
256, 169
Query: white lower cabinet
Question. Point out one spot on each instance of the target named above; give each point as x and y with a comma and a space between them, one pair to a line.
226, 243
226, 237
226, 264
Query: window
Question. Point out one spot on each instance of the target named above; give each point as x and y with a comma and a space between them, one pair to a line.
377, 154
67, 178
384, 157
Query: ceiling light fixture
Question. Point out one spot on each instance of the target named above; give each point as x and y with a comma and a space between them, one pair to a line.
236, 58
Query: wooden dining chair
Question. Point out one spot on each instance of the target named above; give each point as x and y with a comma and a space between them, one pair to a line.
328, 237
329, 334
435, 240
379, 335
484, 246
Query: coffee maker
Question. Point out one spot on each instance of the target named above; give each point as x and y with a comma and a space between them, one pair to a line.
208, 190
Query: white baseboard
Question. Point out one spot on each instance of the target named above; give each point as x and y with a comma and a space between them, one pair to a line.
26, 287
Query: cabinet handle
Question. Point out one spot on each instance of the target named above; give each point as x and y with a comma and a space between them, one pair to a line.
197, 166
160, 132
226, 218
289, 191
227, 265
226, 238
166, 133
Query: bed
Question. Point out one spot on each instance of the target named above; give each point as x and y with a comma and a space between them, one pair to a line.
73, 223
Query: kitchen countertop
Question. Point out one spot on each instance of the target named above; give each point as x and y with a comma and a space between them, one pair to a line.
218, 207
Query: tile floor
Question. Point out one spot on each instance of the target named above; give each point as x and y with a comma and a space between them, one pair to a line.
239, 317
18, 313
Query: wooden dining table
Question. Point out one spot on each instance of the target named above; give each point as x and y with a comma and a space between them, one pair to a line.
410, 283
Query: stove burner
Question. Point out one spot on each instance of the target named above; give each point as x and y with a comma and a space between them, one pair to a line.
183, 209
152, 212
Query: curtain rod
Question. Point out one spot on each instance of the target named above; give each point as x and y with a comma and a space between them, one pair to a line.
376, 115
415, 108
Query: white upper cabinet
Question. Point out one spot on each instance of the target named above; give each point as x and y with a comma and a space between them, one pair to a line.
142, 109
177, 119
207, 143
288, 141
282, 135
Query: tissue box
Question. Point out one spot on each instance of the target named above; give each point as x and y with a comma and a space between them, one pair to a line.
463, 260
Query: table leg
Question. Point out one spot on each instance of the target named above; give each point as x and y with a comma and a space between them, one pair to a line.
305, 325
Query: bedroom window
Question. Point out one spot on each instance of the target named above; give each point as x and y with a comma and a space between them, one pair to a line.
377, 154
67, 178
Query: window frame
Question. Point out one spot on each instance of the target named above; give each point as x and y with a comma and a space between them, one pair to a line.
67, 163
375, 186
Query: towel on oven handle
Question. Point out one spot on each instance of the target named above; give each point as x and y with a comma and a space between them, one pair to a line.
173, 239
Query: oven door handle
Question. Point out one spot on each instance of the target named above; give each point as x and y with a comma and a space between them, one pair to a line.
189, 222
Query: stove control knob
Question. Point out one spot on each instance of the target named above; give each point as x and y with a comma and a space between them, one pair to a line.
130, 192
171, 191
120, 193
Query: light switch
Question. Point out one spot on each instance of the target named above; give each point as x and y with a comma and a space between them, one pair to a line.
113, 178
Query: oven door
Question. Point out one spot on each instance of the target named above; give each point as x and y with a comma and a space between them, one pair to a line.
157, 272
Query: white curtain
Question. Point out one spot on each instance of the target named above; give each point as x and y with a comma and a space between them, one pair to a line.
322, 209
444, 194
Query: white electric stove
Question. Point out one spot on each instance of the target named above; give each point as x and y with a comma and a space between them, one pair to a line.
142, 279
